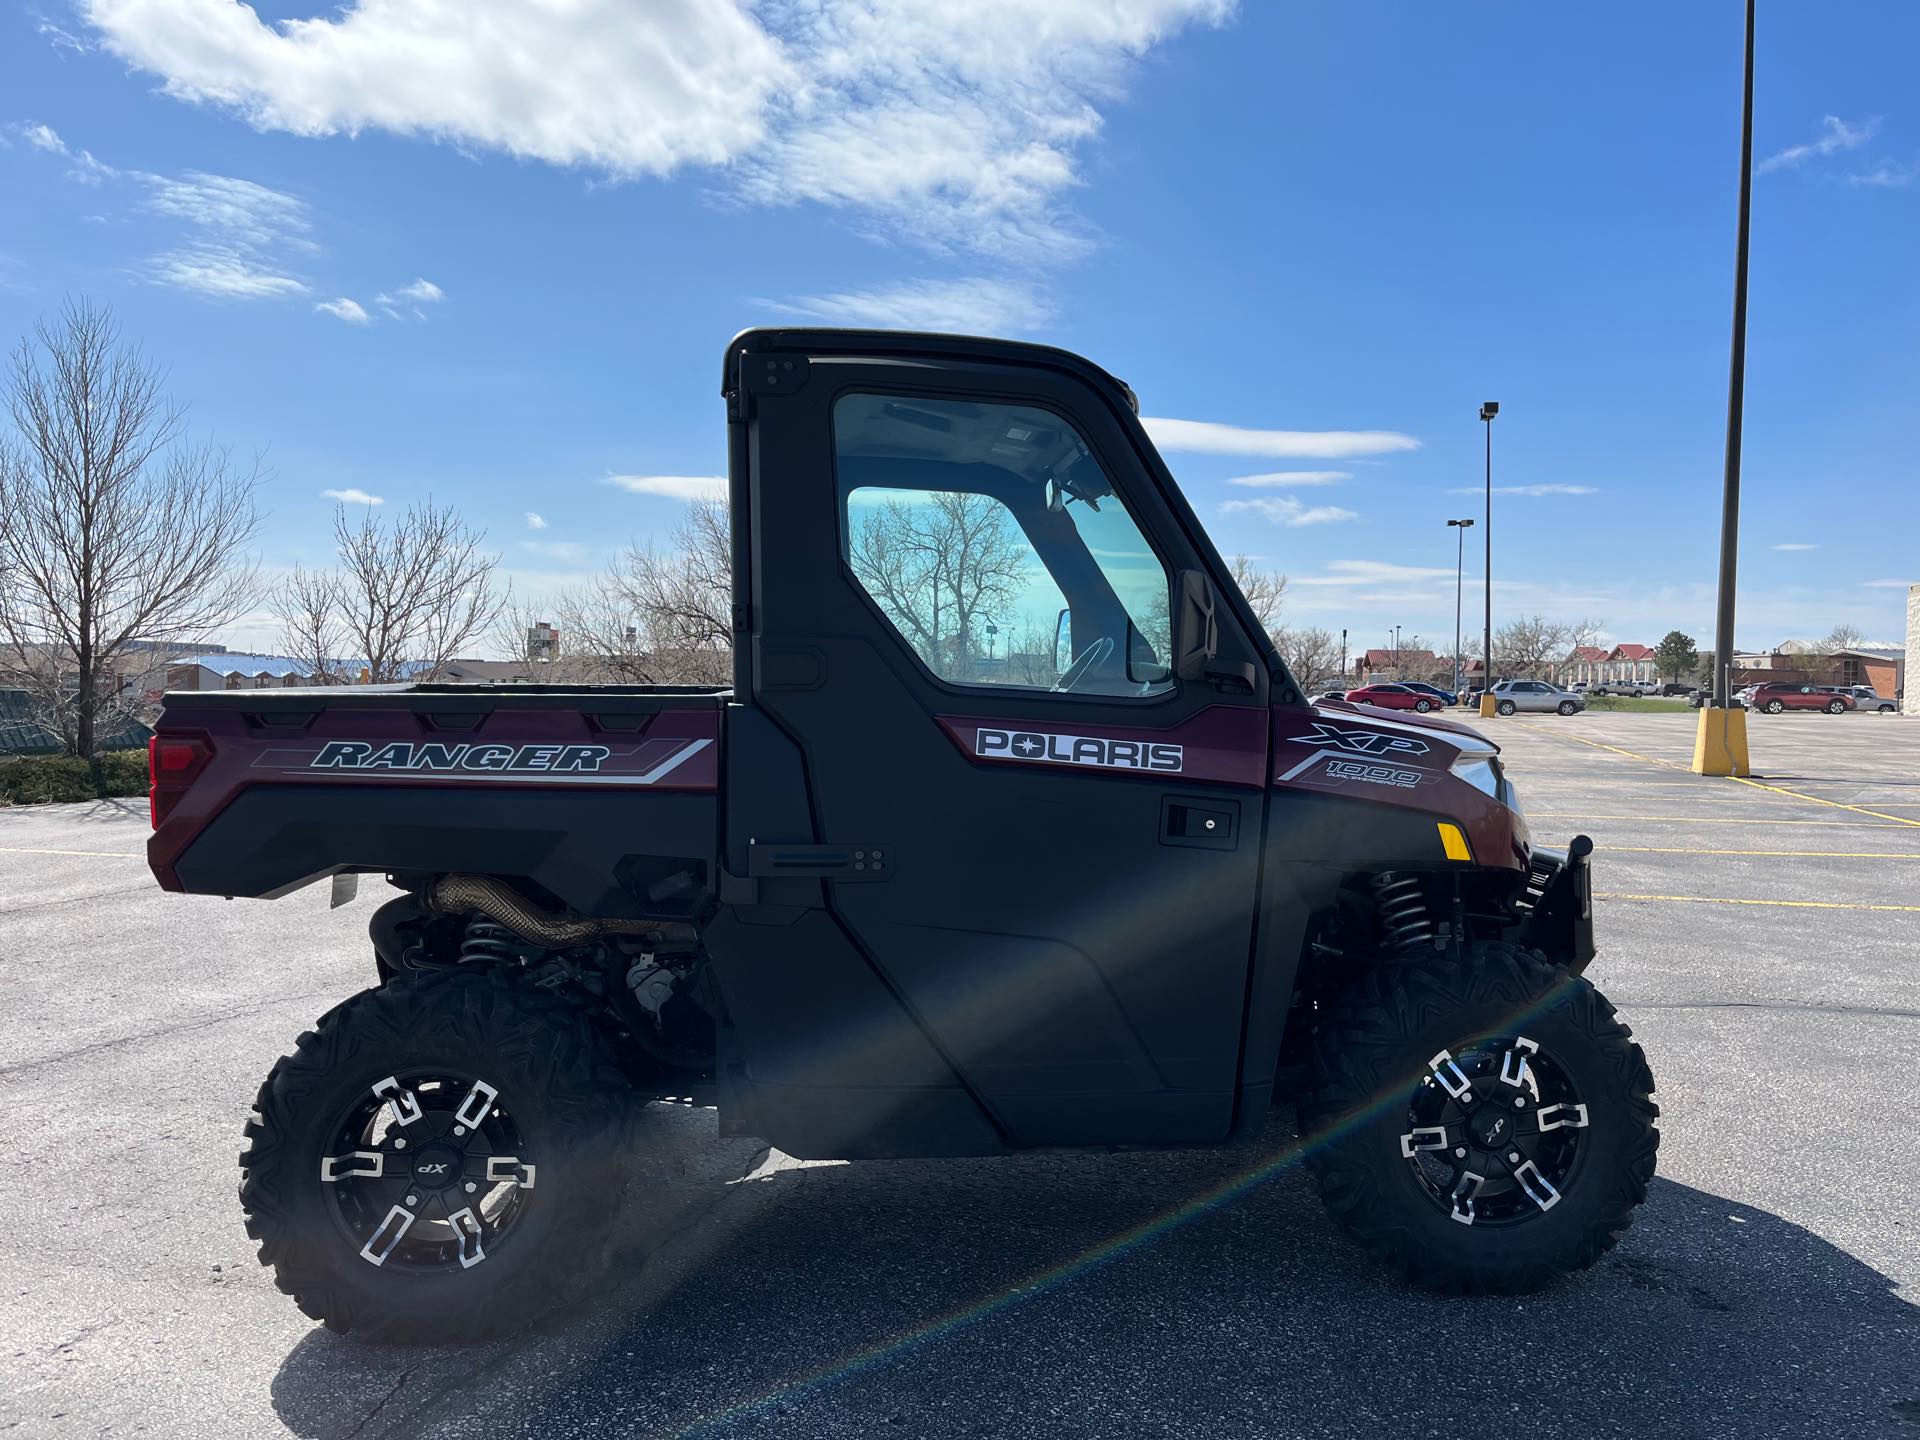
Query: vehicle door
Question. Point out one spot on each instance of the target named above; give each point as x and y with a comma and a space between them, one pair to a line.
968, 575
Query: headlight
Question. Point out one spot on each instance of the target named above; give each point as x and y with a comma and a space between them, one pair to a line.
1483, 772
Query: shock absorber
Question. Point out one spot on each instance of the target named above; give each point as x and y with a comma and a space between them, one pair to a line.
486, 940
1402, 901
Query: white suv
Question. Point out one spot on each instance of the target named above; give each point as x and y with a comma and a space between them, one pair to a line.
1536, 695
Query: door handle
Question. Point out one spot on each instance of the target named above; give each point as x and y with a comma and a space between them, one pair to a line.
1202, 824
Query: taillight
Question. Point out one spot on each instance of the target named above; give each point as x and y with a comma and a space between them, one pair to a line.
174, 762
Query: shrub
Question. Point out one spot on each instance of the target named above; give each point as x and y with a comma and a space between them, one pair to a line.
50, 779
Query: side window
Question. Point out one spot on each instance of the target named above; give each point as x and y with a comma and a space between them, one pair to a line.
995, 546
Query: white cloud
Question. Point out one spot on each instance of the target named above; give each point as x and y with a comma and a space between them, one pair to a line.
978, 306
674, 487
1885, 176
240, 211
1835, 135
1208, 438
536, 521
569, 552
351, 311
1285, 510
1288, 479
44, 137
412, 296
1370, 572
238, 239
1533, 490
960, 125
1889, 584
222, 272
351, 496
1795, 545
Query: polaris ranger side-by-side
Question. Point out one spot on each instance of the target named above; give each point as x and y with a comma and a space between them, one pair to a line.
1012, 831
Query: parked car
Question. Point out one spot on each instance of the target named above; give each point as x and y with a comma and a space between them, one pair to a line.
1772, 699
1536, 695
1445, 697
1868, 698
1633, 688
1674, 687
1394, 697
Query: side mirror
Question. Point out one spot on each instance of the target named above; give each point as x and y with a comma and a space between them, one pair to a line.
1196, 634
1063, 641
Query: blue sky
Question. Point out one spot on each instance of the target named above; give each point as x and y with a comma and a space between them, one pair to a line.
405, 253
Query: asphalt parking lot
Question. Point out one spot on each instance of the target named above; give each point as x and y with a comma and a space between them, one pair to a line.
1762, 939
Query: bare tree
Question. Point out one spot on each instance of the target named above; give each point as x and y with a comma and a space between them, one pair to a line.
672, 606
413, 593
307, 605
1841, 637
1264, 589
939, 568
1524, 646
1312, 655
119, 537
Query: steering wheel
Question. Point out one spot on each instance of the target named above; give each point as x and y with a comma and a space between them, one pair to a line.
1071, 677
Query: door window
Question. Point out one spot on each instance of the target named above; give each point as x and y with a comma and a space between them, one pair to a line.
995, 546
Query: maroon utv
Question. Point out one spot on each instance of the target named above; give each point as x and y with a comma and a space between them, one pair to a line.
1012, 831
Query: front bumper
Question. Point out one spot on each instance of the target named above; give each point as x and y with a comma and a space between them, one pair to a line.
1558, 918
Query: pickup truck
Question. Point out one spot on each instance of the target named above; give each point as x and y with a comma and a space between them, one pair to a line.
897, 891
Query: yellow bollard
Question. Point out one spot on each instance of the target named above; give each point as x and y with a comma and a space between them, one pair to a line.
1720, 744
1487, 702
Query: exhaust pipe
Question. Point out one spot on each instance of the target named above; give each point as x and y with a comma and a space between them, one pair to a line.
500, 902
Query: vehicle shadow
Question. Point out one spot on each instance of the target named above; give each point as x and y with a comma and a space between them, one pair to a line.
1097, 1295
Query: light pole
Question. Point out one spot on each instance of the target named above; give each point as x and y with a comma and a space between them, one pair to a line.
1459, 574
1396, 654
1488, 410
1720, 744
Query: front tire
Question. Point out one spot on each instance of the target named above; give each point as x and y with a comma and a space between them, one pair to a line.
1423, 706
1505, 707
1483, 1124
1774, 707
1836, 707
438, 1159
1567, 707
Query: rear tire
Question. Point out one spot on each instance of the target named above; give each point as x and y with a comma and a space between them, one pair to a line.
537, 1231
1505, 707
1375, 1056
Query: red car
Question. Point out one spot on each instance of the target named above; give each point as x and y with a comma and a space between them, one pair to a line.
1393, 697
1775, 698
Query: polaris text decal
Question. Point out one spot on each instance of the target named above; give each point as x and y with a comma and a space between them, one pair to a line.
1048, 749
487, 759
1363, 742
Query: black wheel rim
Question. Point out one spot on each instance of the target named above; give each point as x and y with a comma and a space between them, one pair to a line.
427, 1171
1495, 1135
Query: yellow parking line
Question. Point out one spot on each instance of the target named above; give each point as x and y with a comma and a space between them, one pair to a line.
1704, 820
1793, 854
1737, 779
1726, 900
94, 854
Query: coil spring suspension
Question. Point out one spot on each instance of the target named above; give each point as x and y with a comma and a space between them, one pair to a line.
1403, 911
486, 940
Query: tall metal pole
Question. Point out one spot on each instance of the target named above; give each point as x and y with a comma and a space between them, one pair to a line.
1459, 578
1736, 398
1487, 413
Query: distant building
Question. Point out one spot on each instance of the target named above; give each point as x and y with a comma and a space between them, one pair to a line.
1383, 666
230, 670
